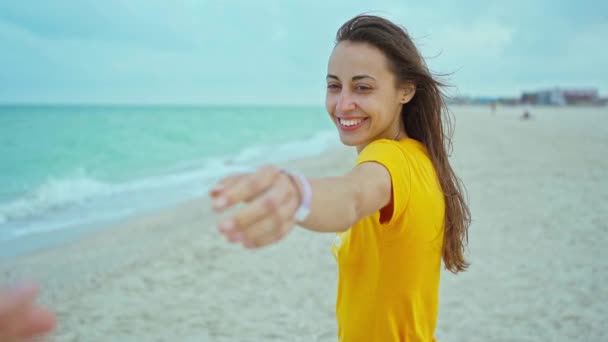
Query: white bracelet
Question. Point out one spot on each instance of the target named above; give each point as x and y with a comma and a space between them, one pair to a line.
304, 209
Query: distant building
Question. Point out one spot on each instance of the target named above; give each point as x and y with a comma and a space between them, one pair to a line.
560, 97
509, 101
552, 97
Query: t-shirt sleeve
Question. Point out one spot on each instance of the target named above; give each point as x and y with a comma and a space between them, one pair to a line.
388, 154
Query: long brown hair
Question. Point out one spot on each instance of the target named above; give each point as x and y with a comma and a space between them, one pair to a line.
422, 118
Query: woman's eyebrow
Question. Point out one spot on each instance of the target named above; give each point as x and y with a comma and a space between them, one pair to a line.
354, 78
358, 77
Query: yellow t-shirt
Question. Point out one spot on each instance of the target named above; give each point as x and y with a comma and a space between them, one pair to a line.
389, 271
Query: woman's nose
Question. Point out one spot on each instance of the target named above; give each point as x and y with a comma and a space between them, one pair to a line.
345, 103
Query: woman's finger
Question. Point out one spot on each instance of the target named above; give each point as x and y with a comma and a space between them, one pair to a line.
260, 207
226, 183
273, 227
269, 239
247, 188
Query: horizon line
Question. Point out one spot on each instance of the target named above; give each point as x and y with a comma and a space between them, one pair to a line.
150, 104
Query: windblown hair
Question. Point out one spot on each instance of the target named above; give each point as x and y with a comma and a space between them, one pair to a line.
422, 118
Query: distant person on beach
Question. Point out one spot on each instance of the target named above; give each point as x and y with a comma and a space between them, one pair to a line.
20, 318
493, 107
396, 215
526, 114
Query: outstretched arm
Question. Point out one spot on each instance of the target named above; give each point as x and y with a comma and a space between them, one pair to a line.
271, 197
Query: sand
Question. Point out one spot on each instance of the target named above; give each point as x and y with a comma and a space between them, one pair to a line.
538, 192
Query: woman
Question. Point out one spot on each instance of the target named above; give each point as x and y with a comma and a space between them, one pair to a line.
396, 214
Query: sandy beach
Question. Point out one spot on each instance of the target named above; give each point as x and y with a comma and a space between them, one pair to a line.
538, 192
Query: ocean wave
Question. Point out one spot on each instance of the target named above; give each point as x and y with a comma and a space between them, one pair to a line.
53, 195
272, 153
94, 198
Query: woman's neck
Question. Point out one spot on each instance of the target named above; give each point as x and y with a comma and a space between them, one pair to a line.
397, 136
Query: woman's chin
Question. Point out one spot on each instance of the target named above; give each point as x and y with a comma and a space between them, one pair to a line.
350, 140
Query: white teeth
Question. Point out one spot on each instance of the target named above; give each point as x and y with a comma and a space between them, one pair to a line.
351, 122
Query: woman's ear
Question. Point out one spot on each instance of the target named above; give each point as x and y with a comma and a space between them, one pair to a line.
407, 92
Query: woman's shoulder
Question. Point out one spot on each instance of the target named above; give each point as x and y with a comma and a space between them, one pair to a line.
381, 148
405, 154
406, 147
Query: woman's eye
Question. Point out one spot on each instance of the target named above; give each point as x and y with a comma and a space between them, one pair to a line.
362, 88
333, 86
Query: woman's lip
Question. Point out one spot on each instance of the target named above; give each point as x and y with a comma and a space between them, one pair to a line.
350, 128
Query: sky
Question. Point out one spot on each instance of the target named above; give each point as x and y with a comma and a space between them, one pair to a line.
276, 52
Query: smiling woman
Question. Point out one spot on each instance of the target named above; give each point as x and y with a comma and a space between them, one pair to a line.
397, 214
355, 99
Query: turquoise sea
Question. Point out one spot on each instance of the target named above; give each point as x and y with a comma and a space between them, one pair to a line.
65, 169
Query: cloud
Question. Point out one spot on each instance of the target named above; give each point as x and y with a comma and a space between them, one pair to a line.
274, 51
485, 38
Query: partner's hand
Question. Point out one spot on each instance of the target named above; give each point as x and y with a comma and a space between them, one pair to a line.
20, 318
271, 198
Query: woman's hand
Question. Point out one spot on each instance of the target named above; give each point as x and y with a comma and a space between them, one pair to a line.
271, 198
20, 318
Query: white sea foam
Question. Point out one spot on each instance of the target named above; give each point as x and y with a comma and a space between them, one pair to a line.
83, 199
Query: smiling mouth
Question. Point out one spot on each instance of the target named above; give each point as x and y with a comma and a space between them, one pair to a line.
350, 124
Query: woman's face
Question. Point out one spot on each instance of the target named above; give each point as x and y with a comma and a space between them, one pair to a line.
362, 98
